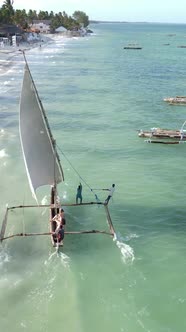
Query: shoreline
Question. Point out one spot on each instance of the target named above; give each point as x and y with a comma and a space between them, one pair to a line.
8, 53
27, 45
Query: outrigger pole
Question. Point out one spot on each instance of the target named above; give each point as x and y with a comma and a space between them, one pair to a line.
3, 228
112, 231
52, 205
94, 231
164, 142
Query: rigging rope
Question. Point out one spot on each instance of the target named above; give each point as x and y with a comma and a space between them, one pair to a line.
96, 197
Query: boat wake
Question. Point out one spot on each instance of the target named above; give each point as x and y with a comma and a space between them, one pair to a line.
127, 252
4, 257
65, 260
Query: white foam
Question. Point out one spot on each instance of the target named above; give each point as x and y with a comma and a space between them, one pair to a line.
65, 260
5, 133
65, 195
127, 252
131, 236
44, 201
3, 154
4, 257
23, 325
6, 83
2, 132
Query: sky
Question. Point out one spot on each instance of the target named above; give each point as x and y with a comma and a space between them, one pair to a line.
167, 11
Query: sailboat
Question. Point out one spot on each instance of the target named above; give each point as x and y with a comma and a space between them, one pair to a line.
42, 162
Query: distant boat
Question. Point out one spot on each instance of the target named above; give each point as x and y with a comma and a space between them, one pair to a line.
132, 46
167, 136
43, 165
181, 100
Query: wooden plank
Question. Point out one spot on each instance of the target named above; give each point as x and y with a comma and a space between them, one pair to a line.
24, 235
164, 142
112, 231
53, 205
94, 231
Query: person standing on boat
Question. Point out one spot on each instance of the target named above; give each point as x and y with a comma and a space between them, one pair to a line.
111, 192
79, 194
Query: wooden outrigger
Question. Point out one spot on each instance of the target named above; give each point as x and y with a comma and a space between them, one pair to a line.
54, 209
163, 142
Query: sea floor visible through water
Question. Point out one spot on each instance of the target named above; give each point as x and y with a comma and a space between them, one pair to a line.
97, 96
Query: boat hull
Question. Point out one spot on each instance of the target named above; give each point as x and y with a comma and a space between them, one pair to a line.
162, 133
176, 100
132, 48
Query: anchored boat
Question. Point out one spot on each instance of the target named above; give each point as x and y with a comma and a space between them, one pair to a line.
178, 100
167, 136
43, 164
132, 46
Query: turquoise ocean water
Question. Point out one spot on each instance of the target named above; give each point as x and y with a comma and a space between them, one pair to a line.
97, 95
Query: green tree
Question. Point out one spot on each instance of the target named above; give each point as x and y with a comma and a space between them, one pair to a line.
51, 15
81, 18
62, 19
6, 12
32, 15
55, 22
20, 18
43, 15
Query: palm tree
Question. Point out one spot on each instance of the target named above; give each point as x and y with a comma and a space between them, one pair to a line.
6, 12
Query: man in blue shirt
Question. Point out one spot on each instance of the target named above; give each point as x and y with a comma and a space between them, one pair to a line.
79, 194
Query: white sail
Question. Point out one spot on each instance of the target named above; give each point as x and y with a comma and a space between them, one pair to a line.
41, 160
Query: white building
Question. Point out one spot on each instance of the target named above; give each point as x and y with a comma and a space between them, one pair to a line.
42, 26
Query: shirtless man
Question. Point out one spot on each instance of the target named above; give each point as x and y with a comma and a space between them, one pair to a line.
60, 222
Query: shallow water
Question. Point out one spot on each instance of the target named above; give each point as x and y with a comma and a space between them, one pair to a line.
97, 95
